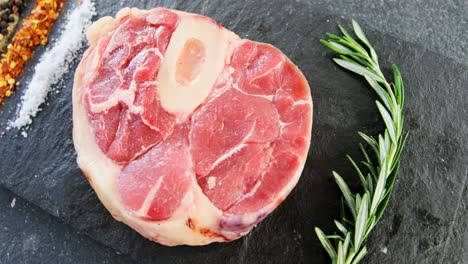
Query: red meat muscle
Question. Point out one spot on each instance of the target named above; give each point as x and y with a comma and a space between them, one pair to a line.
188, 133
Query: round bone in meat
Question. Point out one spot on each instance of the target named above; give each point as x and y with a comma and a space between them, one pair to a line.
187, 133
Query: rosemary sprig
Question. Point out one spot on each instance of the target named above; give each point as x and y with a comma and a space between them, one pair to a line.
365, 209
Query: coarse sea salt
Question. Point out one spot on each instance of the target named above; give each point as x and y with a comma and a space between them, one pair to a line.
54, 63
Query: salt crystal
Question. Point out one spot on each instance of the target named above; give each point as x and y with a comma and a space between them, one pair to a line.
384, 250
13, 203
24, 134
54, 63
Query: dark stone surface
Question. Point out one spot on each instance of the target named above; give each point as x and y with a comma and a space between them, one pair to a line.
30, 235
427, 217
440, 26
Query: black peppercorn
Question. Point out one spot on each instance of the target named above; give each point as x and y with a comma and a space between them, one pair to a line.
18, 3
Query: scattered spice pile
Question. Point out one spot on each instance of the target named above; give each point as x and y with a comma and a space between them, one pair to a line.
35, 30
9, 17
54, 63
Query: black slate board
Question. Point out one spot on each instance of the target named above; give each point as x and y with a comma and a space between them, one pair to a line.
427, 217
42, 238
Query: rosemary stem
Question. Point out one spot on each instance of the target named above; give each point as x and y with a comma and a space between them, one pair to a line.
366, 208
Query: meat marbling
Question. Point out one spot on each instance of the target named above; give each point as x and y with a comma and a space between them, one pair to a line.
188, 134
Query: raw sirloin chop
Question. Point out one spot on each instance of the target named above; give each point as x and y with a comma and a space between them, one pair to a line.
188, 134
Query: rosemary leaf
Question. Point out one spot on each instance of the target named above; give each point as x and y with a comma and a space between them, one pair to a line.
346, 244
388, 121
361, 221
357, 69
360, 255
360, 34
326, 243
346, 193
341, 227
383, 95
341, 254
361, 176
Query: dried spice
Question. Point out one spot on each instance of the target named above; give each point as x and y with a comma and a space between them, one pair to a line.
34, 32
9, 16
